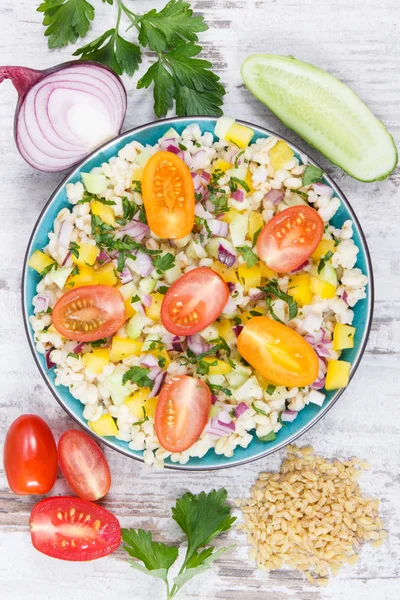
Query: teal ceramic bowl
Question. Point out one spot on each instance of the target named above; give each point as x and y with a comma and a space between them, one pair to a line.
149, 134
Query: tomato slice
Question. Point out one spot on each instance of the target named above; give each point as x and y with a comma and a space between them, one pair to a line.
168, 195
83, 465
290, 238
194, 301
278, 353
73, 529
30, 456
182, 412
89, 313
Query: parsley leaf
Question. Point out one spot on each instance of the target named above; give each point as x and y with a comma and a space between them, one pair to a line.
270, 389
255, 236
47, 269
138, 375
74, 249
114, 51
219, 388
156, 557
311, 175
163, 289
65, 20
270, 437
234, 182
250, 257
299, 193
203, 367
324, 260
164, 262
99, 343
272, 288
268, 302
259, 411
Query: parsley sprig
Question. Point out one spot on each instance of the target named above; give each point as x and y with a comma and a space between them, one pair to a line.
138, 375
202, 517
178, 75
249, 256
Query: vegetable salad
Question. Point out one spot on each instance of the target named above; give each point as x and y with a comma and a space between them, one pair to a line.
230, 222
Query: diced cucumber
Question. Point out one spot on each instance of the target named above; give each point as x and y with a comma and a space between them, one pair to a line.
147, 285
238, 229
151, 337
238, 375
60, 276
143, 157
323, 111
239, 172
250, 389
210, 333
134, 327
95, 183
328, 274
119, 392
172, 274
195, 250
222, 126
171, 133
216, 379
213, 244
128, 290
214, 410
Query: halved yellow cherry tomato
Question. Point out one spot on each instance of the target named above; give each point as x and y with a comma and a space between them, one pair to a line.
168, 196
278, 353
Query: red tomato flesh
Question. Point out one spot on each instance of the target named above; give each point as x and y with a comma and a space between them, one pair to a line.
182, 412
83, 465
73, 529
30, 456
194, 301
290, 238
89, 313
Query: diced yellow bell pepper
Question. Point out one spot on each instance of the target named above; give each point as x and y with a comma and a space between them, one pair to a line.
227, 274
266, 271
150, 406
256, 222
105, 426
106, 275
103, 211
130, 311
52, 329
249, 182
123, 347
299, 289
230, 215
225, 331
323, 289
221, 368
86, 276
137, 174
153, 311
240, 135
337, 375
136, 401
323, 248
39, 261
96, 360
87, 255
250, 276
343, 336
280, 154
221, 165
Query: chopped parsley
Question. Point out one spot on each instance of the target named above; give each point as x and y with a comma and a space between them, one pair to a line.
99, 343
299, 193
164, 262
273, 289
217, 195
182, 146
121, 262
324, 260
49, 268
161, 361
163, 289
255, 313
268, 302
255, 236
73, 355
270, 389
138, 375
259, 411
137, 186
219, 388
234, 182
135, 298
249, 256
74, 249
203, 366
311, 175
238, 155
270, 437
145, 418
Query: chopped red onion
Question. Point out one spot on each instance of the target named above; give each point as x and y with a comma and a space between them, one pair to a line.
49, 362
218, 228
125, 276
198, 160
67, 262
174, 149
40, 303
103, 258
196, 181
226, 257
255, 296
231, 286
209, 205
64, 235
205, 176
196, 344
135, 229
177, 344
237, 329
225, 420
302, 266
345, 296
165, 142
215, 428
79, 347
288, 416
149, 361
154, 372
201, 212
143, 263
274, 196
238, 195
319, 383
213, 398
158, 382
323, 190
240, 409
147, 300
230, 306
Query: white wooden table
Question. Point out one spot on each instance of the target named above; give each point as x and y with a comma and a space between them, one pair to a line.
357, 41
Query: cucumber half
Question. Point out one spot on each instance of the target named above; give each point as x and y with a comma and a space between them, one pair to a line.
324, 112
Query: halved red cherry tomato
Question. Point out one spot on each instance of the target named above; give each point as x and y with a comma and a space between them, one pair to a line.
279, 354
182, 412
168, 195
73, 529
290, 238
89, 313
194, 301
30, 456
83, 465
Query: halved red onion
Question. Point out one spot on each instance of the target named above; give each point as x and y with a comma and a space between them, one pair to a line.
238, 195
274, 196
49, 362
196, 344
218, 228
226, 257
323, 190
135, 229
64, 235
288, 416
149, 361
40, 303
65, 112
158, 382
240, 409
302, 266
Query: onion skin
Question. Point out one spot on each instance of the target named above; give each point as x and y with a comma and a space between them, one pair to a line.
24, 79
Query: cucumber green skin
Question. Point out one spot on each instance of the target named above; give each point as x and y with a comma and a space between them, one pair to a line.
306, 69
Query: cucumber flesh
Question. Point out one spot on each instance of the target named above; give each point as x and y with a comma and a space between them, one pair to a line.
324, 112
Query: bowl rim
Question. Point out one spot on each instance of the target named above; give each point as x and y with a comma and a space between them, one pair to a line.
314, 420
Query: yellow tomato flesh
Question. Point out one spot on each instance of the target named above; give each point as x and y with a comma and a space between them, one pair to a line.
278, 353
